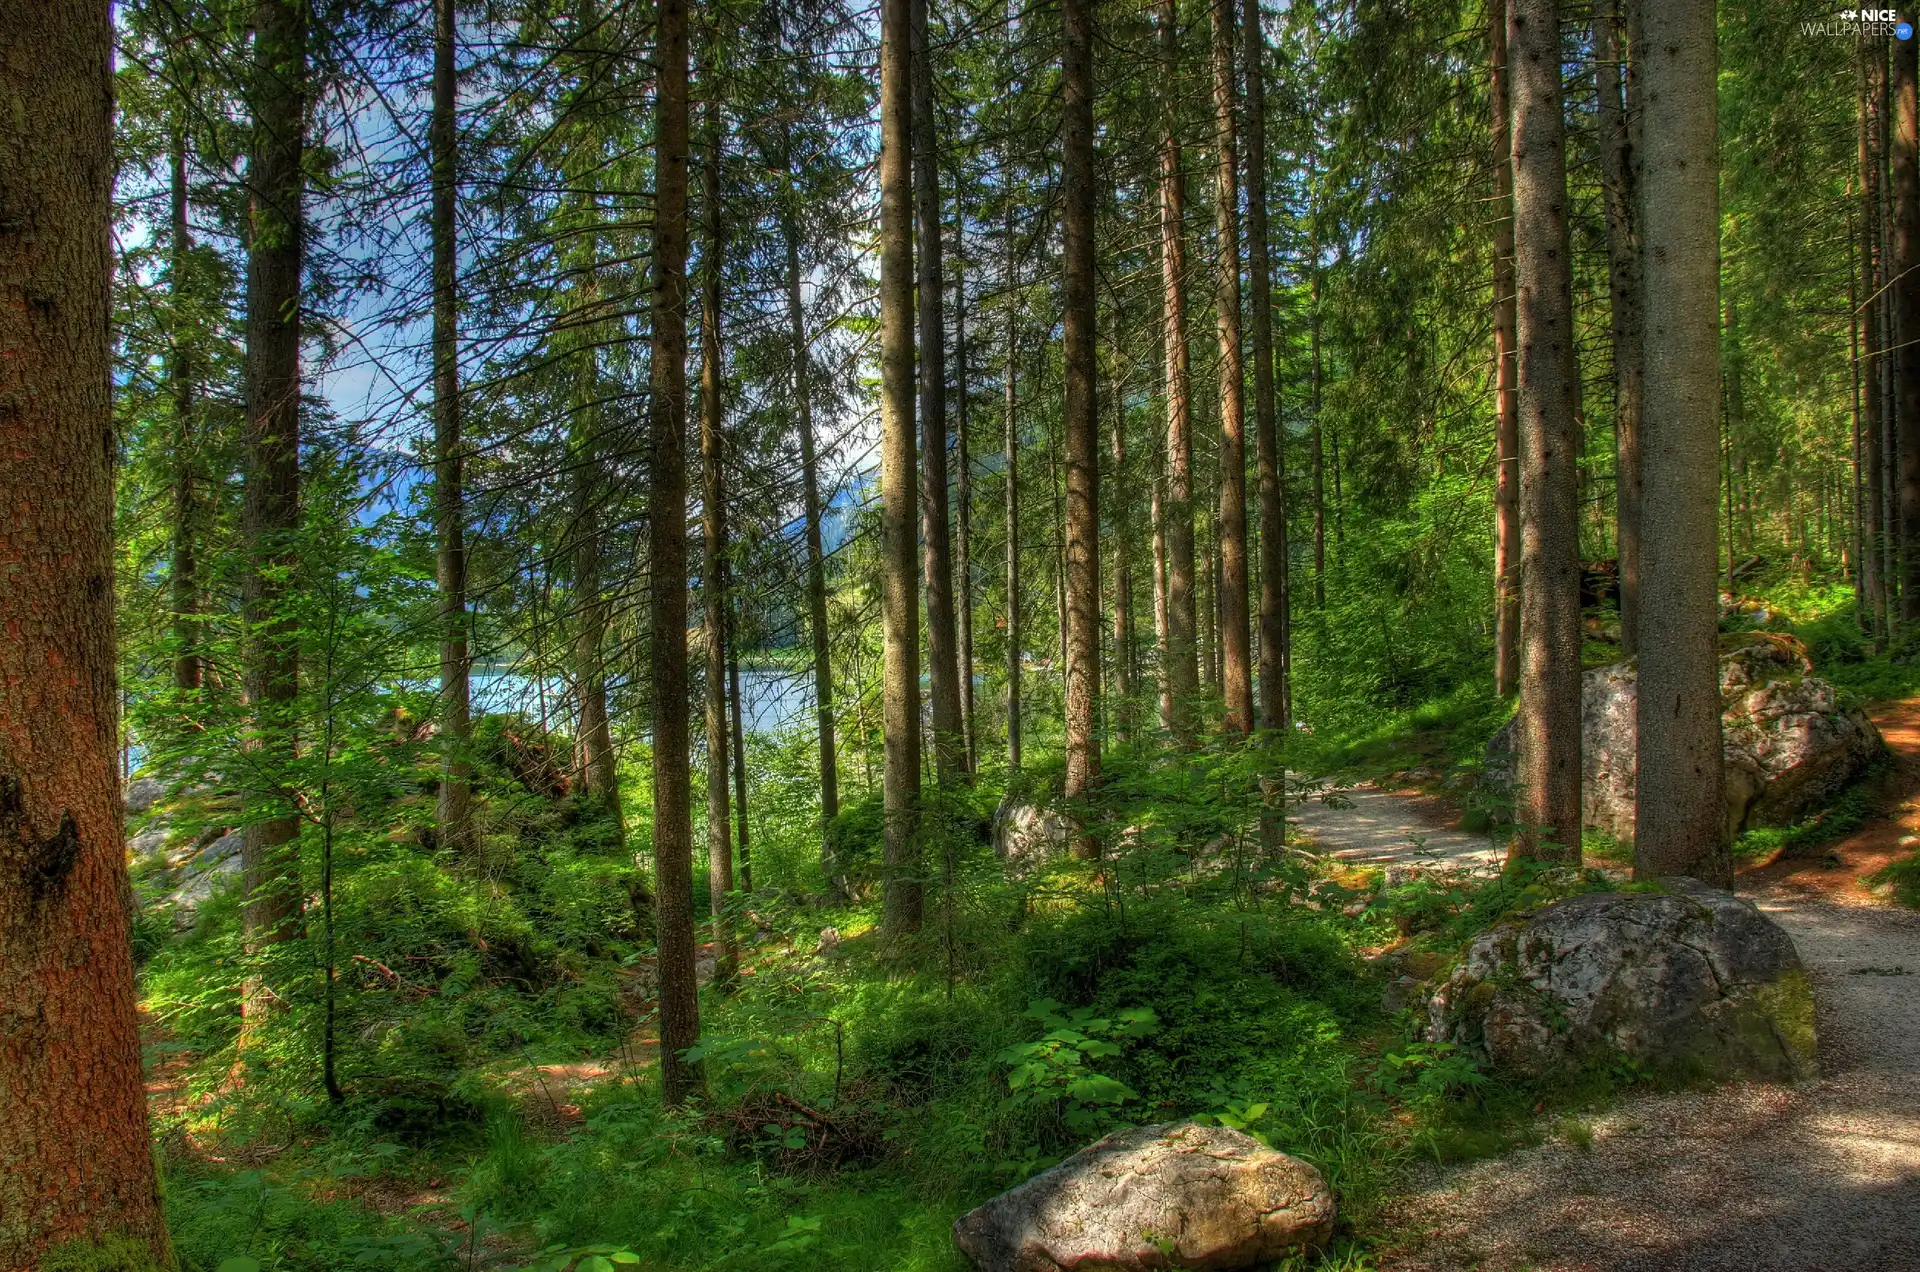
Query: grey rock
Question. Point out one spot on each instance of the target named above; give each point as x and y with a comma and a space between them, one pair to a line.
1787, 742
1026, 836
149, 842
211, 867
143, 793
1694, 979
1174, 1195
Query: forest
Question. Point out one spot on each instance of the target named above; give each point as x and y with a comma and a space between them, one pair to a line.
942, 634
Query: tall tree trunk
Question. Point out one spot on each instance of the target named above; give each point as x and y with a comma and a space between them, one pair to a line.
943, 659
681, 1079
1269, 457
1121, 487
1549, 774
449, 493
270, 509
1162, 638
1616, 82
1081, 419
189, 669
1506, 429
1011, 454
1680, 805
963, 486
713, 567
1316, 437
1182, 670
1236, 633
598, 775
816, 553
900, 600
1903, 155
1867, 311
743, 857
76, 1156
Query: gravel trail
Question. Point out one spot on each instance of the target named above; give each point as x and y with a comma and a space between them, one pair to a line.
1824, 1177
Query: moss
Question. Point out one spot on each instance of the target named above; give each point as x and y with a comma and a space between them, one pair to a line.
1788, 1004
111, 1254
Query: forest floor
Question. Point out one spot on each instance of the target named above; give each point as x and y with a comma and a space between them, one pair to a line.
1748, 1176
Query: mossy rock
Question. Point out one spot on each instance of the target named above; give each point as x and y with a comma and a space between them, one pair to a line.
1691, 980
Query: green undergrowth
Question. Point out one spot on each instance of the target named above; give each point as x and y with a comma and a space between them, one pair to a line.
859, 1096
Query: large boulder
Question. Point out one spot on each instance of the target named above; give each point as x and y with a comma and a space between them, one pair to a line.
1788, 744
1692, 980
1176, 1195
1027, 835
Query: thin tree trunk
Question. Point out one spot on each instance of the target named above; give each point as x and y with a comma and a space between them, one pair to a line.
1125, 686
1081, 422
1161, 636
1181, 671
189, 669
595, 732
1236, 634
816, 553
1506, 432
943, 662
743, 857
270, 509
963, 486
1903, 155
1867, 314
1011, 452
900, 601
74, 1139
1269, 456
1680, 805
681, 1079
1549, 773
713, 569
456, 793
1317, 436
1616, 82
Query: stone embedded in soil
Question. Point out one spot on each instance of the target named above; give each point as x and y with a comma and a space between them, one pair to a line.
1693, 980
1175, 1195
1788, 744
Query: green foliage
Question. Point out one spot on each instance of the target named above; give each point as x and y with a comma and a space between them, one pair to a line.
1056, 1071
110, 1254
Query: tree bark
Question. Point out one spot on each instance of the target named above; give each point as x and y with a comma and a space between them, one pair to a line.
667, 538
1316, 437
1236, 634
1182, 670
189, 669
270, 509
76, 1157
943, 658
1617, 84
1903, 155
1867, 309
1269, 456
743, 857
900, 583
816, 553
1121, 490
1680, 802
456, 732
1506, 430
1549, 813
1011, 447
713, 568
963, 487
1081, 419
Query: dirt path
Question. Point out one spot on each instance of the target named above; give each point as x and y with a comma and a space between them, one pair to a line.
1391, 827
1745, 1178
